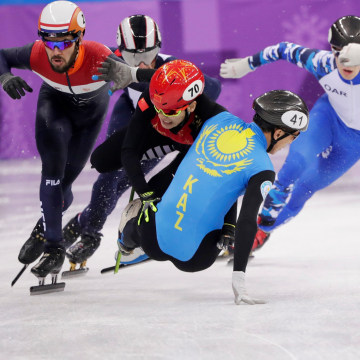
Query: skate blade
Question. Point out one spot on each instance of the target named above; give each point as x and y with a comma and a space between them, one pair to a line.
121, 266
74, 273
46, 289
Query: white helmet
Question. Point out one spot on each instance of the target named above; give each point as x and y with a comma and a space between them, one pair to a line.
61, 18
139, 40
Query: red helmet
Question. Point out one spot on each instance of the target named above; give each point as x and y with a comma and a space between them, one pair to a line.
175, 85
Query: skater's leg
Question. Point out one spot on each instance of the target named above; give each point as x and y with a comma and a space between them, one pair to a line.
205, 255
330, 168
303, 154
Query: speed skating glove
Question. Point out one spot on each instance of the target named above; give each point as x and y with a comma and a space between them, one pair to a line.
148, 199
14, 85
227, 237
350, 55
235, 68
118, 72
241, 296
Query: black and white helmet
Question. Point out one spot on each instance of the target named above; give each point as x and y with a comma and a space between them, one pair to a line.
283, 109
344, 31
138, 39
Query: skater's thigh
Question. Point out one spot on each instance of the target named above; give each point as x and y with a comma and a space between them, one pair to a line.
53, 134
107, 156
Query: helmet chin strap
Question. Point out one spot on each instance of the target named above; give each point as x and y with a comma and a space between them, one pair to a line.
273, 141
77, 46
176, 129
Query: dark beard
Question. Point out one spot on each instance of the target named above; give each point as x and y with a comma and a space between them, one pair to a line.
70, 63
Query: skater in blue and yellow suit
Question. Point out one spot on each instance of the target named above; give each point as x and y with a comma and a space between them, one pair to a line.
229, 158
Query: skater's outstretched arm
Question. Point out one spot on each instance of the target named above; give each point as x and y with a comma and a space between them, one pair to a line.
245, 231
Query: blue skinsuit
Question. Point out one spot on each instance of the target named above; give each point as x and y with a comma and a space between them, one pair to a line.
214, 173
331, 145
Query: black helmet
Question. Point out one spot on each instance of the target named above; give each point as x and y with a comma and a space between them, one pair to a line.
139, 39
344, 31
283, 109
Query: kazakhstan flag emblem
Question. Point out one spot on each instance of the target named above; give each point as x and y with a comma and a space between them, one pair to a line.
224, 151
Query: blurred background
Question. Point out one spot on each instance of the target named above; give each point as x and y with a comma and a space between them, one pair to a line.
205, 32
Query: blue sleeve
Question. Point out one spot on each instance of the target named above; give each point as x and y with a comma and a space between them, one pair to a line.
317, 62
18, 57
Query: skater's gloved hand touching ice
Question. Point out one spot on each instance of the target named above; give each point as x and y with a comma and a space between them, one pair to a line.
235, 68
118, 72
350, 55
14, 85
241, 296
148, 199
227, 237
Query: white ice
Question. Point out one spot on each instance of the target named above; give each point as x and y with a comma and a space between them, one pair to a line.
309, 274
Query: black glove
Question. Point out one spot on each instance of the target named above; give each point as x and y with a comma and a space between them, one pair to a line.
14, 85
227, 237
148, 199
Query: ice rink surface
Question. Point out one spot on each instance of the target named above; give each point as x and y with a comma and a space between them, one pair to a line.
309, 274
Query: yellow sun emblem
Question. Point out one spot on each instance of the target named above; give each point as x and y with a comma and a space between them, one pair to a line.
224, 150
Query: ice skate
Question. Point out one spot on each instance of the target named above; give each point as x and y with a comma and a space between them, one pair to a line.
34, 246
126, 257
50, 263
129, 255
71, 231
80, 252
260, 239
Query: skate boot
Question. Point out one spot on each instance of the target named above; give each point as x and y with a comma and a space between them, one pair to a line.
260, 238
273, 204
80, 252
34, 246
129, 255
84, 248
126, 256
50, 263
71, 231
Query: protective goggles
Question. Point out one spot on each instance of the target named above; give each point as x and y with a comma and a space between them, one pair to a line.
170, 113
335, 50
136, 58
61, 45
